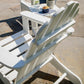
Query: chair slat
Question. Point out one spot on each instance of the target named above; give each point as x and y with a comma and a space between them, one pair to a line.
11, 38
39, 35
4, 70
18, 42
6, 57
31, 50
21, 49
74, 11
41, 32
35, 17
63, 18
55, 32
54, 21
11, 76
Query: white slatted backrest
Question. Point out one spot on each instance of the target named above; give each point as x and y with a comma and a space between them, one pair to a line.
68, 14
63, 17
74, 11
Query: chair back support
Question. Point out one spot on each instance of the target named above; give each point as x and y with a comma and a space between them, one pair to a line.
47, 37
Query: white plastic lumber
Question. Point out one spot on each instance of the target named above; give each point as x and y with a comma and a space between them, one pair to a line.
11, 76
53, 40
41, 31
35, 17
64, 18
7, 58
63, 69
25, 22
21, 49
35, 27
11, 38
73, 12
61, 78
40, 48
55, 32
17, 42
42, 58
31, 51
54, 21
75, 9
4, 70
25, 5
33, 71
30, 67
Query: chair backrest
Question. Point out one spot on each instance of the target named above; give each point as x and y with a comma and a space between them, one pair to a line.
48, 36
26, 5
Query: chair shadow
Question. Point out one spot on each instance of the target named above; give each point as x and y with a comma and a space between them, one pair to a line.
14, 24
46, 76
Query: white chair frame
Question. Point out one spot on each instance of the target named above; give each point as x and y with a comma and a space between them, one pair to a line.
16, 66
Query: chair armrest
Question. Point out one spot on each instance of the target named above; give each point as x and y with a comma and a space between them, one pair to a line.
35, 17
10, 60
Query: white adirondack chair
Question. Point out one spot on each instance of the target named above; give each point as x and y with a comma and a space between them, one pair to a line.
21, 55
25, 5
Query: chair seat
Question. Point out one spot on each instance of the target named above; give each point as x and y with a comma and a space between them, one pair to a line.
15, 48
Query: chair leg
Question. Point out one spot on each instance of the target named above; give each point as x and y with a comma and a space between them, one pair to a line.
63, 69
61, 78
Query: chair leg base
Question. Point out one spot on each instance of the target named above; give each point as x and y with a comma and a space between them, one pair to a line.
63, 69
